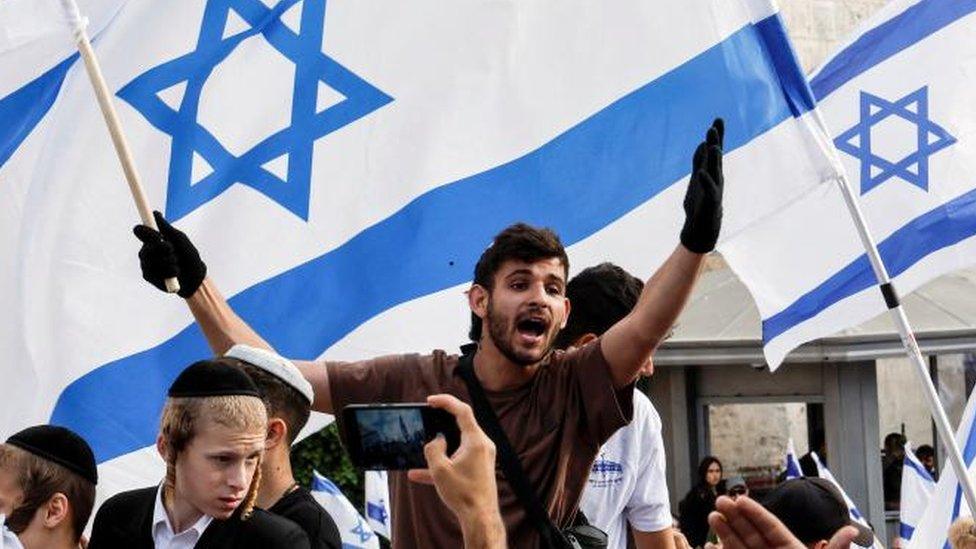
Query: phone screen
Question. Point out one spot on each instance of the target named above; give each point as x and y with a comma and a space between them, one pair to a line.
392, 436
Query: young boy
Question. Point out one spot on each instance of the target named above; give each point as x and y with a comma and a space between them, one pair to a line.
288, 398
211, 436
47, 488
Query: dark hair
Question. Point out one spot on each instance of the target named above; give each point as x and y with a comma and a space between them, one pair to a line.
282, 400
925, 451
894, 440
706, 462
600, 295
518, 242
39, 479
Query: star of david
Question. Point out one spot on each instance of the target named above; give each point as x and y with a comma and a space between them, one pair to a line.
914, 167
296, 141
360, 530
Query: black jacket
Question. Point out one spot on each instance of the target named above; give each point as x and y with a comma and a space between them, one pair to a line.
301, 508
125, 521
693, 518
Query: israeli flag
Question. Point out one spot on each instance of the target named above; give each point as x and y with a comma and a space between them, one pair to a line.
898, 102
353, 528
916, 493
378, 509
824, 473
342, 165
947, 502
793, 469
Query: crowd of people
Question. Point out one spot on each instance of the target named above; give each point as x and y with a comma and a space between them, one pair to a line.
579, 452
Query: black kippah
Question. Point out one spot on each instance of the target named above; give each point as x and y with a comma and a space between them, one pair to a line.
60, 445
208, 378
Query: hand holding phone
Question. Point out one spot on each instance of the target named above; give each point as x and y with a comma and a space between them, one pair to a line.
465, 478
392, 436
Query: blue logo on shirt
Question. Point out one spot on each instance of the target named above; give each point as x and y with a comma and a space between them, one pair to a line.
605, 473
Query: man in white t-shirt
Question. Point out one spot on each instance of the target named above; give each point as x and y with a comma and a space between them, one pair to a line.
627, 484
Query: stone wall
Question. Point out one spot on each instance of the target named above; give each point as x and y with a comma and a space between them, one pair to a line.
818, 27
750, 439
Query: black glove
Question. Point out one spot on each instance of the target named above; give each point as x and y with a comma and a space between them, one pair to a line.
703, 201
168, 253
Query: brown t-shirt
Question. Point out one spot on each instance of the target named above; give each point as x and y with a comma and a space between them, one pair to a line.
556, 423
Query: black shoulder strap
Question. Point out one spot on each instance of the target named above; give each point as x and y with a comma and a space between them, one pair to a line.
510, 463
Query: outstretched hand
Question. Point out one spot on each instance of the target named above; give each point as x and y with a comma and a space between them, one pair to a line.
703, 200
169, 253
744, 524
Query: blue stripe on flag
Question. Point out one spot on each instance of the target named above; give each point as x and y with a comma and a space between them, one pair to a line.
794, 83
23, 109
898, 33
905, 531
930, 232
589, 176
793, 469
919, 469
323, 484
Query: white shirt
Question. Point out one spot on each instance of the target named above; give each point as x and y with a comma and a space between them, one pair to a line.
627, 482
162, 531
8, 540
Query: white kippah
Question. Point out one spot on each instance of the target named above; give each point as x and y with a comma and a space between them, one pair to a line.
274, 364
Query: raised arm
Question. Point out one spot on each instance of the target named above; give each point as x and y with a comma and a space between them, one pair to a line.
169, 252
630, 342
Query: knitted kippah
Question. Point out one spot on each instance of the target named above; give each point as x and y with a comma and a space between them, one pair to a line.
278, 366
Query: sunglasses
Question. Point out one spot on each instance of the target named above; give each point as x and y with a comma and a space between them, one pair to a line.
737, 491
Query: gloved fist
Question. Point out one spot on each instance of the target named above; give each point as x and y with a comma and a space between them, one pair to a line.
703, 201
167, 253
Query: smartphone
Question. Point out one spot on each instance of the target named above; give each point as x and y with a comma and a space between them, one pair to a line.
392, 436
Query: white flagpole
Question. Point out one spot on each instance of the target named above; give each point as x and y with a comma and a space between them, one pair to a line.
104, 97
893, 301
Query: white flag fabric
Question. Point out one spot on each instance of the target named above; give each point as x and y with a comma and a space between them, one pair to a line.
897, 100
378, 510
793, 469
353, 528
824, 473
342, 165
947, 502
916, 493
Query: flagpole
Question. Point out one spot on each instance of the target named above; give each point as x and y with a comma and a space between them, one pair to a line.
78, 24
893, 301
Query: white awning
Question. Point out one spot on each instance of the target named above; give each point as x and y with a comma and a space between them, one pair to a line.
721, 325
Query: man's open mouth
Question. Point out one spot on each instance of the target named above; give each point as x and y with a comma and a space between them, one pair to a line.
532, 327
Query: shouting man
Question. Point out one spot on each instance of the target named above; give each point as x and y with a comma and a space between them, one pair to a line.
555, 407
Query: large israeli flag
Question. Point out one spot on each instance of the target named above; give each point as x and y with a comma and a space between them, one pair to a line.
898, 100
342, 164
947, 502
916, 493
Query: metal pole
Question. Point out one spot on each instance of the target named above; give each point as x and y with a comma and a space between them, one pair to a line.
911, 345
